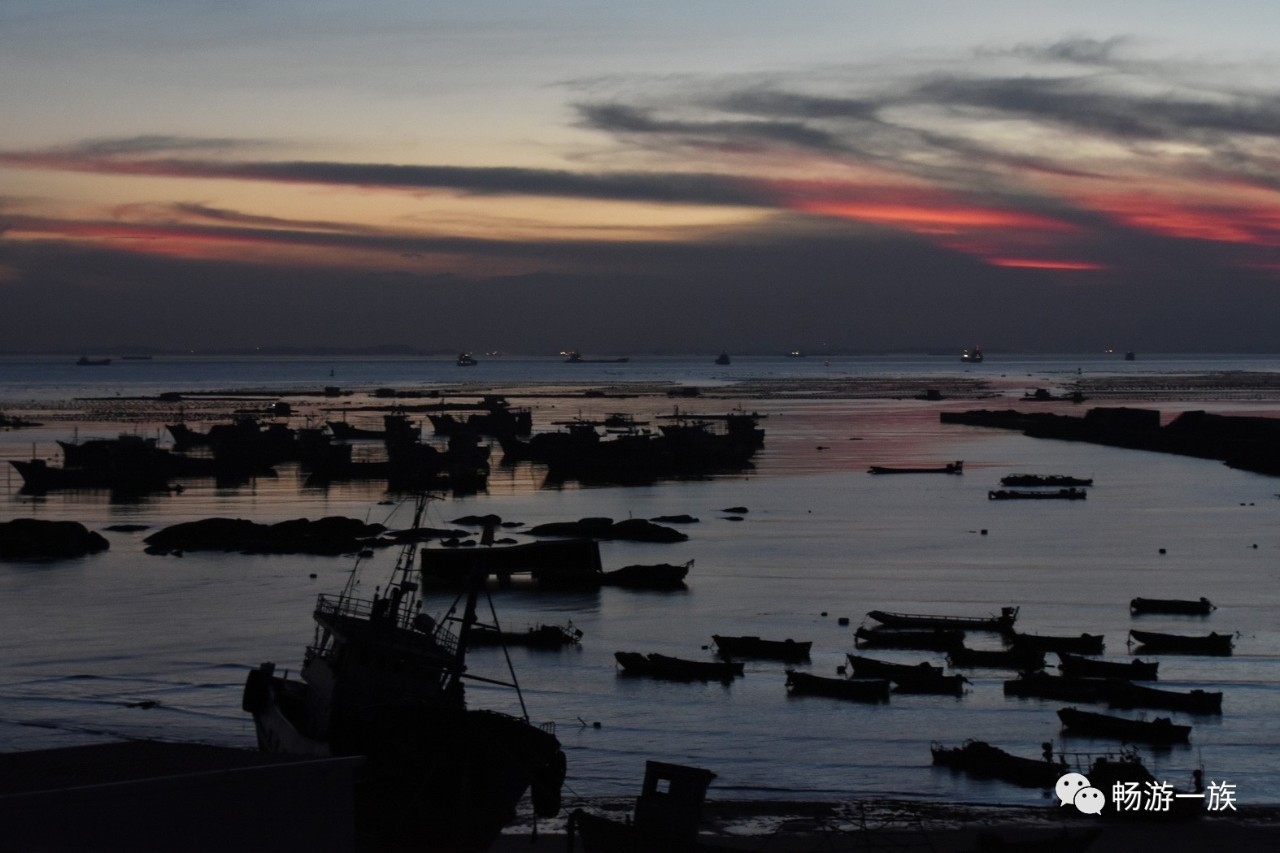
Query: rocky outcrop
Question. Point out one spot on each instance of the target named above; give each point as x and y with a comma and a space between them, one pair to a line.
631, 529
34, 539
331, 535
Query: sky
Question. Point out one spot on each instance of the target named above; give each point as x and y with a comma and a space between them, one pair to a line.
658, 177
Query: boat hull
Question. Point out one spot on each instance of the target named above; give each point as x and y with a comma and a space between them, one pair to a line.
443, 773
1139, 696
1085, 644
1210, 644
755, 647
937, 639
985, 761
677, 669
1139, 606
1084, 667
856, 689
1003, 622
1158, 731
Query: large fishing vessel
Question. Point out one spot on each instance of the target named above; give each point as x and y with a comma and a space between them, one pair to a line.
385, 680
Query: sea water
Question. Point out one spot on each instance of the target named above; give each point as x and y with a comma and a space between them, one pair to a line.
123, 645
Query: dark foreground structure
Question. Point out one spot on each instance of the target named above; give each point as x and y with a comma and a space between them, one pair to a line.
147, 795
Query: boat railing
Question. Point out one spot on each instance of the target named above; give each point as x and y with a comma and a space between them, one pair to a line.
408, 619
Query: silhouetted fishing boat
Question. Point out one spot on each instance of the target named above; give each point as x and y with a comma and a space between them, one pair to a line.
534, 637
945, 685
85, 361
980, 759
677, 669
466, 359
656, 576
385, 681
1042, 685
1160, 730
755, 647
1128, 695
395, 427
575, 357
938, 639
39, 477
1071, 494
857, 689
865, 667
1126, 770
1082, 667
555, 563
1003, 622
972, 356
1203, 607
722, 358
1013, 658
1212, 643
956, 467
1055, 480
1084, 644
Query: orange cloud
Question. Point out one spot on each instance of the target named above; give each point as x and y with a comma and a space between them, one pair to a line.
922, 210
929, 220
1042, 264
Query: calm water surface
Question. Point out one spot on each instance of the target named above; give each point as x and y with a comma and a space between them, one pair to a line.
87, 641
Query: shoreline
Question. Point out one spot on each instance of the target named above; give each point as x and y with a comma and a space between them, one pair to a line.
782, 826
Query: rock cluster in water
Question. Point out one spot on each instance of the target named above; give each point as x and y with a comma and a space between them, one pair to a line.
33, 539
331, 535
632, 529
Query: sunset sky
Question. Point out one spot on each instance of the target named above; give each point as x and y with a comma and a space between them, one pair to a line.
851, 175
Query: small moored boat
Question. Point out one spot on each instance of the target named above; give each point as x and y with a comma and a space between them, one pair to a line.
938, 639
1042, 685
1014, 658
656, 576
1085, 644
677, 669
1212, 643
1003, 622
755, 647
1070, 494
1160, 730
945, 685
1127, 695
956, 467
534, 637
858, 689
1082, 667
1203, 607
865, 667
1056, 480
980, 759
